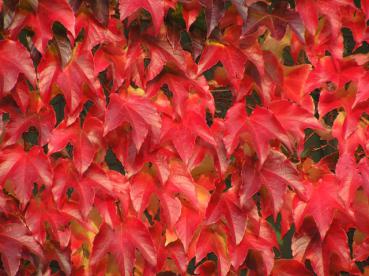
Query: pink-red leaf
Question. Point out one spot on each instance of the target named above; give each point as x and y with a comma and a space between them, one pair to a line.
22, 169
138, 111
14, 60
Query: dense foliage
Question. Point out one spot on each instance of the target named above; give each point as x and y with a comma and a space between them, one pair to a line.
207, 137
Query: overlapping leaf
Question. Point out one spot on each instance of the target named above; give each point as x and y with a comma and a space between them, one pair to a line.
203, 137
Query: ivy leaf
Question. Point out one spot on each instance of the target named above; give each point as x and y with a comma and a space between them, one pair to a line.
276, 21
95, 33
44, 220
295, 119
309, 246
231, 58
154, 7
187, 224
184, 135
214, 11
73, 75
44, 122
242, 10
212, 240
14, 239
41, 21
259, 135
22, 169
289, 268
121, 242
14, 60
85, 141
322, 205
138, 111
276, 174
225, 205
144, 188
181, 87
124, 63
100, 9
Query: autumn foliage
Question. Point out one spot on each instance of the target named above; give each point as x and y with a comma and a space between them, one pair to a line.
188, 137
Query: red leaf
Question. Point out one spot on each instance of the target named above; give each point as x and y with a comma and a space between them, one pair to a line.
257, 243
326, 256
187, 224
43, 219
276, 174
14, 60
213, 241
294, 119
22, 169
308, 12
348, 177
65, 176
14, 238
139, 112
294, 85
85, 141
42, 20
137, 138
226, 205
214, 11
329, 69
95, 33
154, 7
323, 203
142, 190
257, 133
162, 53
190, 13
231, 58
276, 21
290, 268
180, 182
184, 134
121, 242
125, 63
364, 172
44, 122
74, 80
181, 88
107, 185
